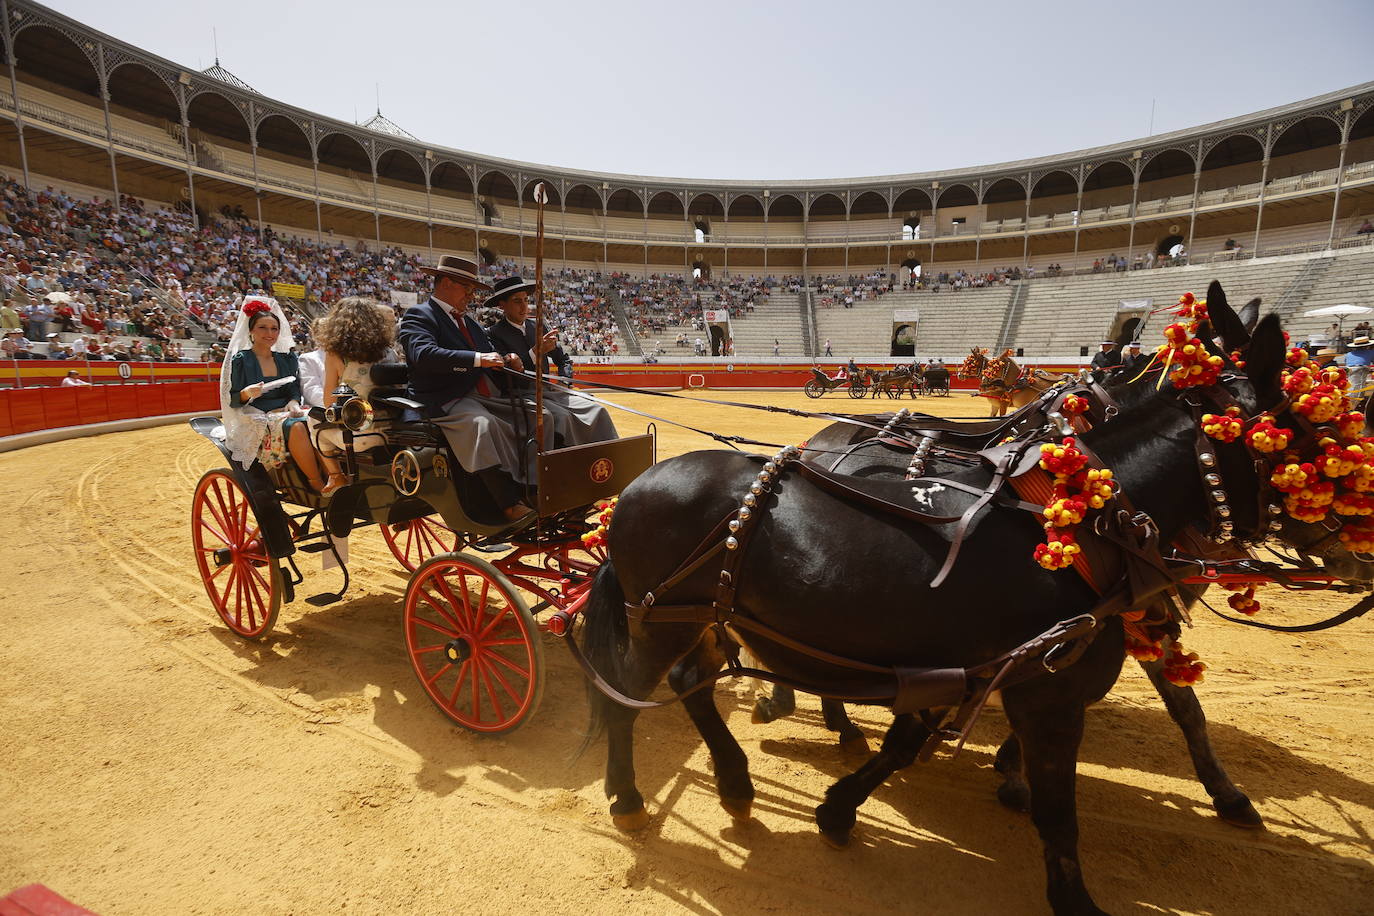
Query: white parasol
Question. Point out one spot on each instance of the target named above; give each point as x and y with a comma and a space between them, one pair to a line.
1340, 311
58, 297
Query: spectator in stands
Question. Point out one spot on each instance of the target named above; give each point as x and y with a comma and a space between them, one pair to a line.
450, 357
74, 380
16, 346
9, 318
828, 351
1357, 361
1230, 245
1106, 359
1365, 228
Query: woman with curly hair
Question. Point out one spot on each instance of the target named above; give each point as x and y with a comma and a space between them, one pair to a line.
356, 333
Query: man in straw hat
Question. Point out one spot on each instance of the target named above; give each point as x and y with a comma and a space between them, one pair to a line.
577, 420
1357, 361
453, 373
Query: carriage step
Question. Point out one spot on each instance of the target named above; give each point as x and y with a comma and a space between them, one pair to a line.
324, 600
317, 547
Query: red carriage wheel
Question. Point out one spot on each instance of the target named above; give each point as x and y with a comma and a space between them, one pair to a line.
473, 643
415, 541
244, 583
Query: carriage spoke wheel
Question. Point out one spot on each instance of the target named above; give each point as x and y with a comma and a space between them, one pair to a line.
415, 541
858, 391
813, 389
473, 643
244, 583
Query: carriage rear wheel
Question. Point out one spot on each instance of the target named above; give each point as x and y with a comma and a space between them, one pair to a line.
415, 541
473, 643
814, 389
244, 584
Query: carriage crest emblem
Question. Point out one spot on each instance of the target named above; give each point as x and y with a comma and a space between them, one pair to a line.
601, 470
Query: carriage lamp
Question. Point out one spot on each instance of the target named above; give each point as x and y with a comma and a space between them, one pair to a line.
349, 410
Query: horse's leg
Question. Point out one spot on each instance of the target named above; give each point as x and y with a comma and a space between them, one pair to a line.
733, 785
1231, 803
852, 740
836, 815
1013, 792
1049, 734
782, 703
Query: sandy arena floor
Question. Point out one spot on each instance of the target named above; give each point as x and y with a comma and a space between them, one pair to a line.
152, 763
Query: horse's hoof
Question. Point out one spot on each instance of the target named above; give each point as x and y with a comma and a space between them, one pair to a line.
1015, 797
632, 822
835, 839
1239, 812
855, 746
764, 711
738, 808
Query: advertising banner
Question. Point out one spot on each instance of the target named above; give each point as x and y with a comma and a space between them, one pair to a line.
288, 290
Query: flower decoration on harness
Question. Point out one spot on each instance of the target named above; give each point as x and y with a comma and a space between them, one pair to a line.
1074, 405
1187, 361
1076, 489
597, 536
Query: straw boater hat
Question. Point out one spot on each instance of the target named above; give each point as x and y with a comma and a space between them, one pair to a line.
508, 286
1108, 343
458, 268
1361, 341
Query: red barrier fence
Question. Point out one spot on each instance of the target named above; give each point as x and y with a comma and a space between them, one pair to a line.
25, 410
38, 373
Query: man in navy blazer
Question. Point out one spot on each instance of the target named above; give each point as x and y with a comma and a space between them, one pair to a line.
453, 365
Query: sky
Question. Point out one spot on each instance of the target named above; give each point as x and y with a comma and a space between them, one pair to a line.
766, 90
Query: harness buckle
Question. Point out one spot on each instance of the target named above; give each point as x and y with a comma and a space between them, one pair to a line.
648, 599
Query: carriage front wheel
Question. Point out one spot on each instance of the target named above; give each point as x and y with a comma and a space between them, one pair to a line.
858, 390
415, 541
244, 584
473, 643
813, 389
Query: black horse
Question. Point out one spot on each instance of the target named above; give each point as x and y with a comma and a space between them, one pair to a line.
831, 572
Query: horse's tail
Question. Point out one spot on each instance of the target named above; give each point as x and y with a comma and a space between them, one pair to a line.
605, 638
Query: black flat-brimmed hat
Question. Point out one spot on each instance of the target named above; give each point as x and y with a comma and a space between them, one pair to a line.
458, 268
507, 286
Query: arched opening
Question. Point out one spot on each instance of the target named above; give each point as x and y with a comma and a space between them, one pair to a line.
1171, 246
1005, 199
451, 194
701, 210
911, 267
625, 203
958, 205
53, 61
666, 205
868, 205
1360, 147
1236, 161
343, 156
496, 191
911, 228
282, 138
140, 94
826, 207
746, 211
1169, 174
784, 207
1311, 145
1107, 192
554, 201
399, 169
216, 120
1055, 194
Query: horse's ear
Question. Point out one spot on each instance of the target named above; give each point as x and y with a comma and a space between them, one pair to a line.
1229, 327
1267, 356
1249, 315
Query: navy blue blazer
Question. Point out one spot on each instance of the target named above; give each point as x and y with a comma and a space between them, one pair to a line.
443, 364
509, 339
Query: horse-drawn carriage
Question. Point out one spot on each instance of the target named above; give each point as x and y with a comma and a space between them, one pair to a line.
820, 383
470, 631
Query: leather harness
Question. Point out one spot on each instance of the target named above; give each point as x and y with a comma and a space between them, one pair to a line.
1122, 560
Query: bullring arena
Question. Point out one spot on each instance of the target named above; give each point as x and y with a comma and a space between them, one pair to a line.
157, 763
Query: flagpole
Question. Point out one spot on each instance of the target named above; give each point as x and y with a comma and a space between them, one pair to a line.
541, 196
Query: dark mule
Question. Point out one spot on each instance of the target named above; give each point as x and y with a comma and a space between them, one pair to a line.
838, 574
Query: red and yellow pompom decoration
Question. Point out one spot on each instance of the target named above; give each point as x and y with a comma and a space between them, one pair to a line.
1187, 361
1264, 436
1077, 489
1182, 669
1225, 427
1074, 406
1140, 648
1244, 600
597, 536
969, 368
1358, 537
